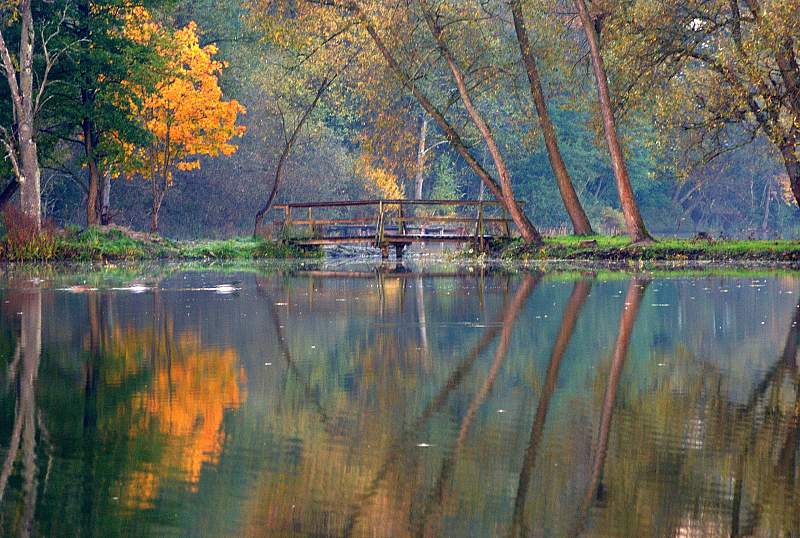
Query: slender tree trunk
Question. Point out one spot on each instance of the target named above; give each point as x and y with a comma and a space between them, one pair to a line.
105, 201
420, 178
768, 193
154, 217
158, 198
90, 137
529, 233
580, 222
630, 210
287, 148
89, 140
527, 230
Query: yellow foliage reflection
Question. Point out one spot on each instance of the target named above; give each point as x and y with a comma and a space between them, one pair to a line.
181, 407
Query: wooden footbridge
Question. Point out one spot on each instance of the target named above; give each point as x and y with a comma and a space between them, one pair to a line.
394, 223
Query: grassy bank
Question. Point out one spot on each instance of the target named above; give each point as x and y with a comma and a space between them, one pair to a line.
604, 248
117, 244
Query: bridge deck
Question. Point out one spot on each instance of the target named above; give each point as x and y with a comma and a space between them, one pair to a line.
395, 223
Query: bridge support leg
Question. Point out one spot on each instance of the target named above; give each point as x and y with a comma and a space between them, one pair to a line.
398, 250
384, 252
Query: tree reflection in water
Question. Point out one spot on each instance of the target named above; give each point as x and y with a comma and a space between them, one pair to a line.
402, 403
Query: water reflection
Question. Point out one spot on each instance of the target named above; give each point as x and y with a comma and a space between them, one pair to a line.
401, 403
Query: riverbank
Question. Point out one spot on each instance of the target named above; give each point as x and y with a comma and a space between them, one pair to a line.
605, 249
120, 244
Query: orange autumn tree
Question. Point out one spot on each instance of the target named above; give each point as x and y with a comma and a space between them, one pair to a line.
184, 112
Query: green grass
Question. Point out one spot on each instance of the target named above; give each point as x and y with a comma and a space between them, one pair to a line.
94, 244
243, 249
619, 249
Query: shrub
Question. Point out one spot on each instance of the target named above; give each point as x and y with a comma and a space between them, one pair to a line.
23, 242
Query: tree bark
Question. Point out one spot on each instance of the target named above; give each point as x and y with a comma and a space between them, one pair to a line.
154, 217
105, 201
89, 144
528, 232
30, 195
630, 210
580, 222
158, 198
792, 164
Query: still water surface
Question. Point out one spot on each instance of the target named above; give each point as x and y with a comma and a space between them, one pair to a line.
356, 403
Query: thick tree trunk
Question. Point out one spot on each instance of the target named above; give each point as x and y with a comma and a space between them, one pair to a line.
630, 210
420, 177
30, 195
792, 163
526, 229
528, 232
580, 222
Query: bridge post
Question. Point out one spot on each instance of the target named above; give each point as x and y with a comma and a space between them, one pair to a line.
481, 241
380, 225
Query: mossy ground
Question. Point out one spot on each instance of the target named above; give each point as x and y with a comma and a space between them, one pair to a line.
605, 248
94, 244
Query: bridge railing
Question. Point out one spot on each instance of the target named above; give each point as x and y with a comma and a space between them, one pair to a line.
398, 222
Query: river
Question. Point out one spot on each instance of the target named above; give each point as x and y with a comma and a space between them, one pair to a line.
427, 400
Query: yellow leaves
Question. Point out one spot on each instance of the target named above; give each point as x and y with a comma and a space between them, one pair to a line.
188, 165
186, 112
380, 181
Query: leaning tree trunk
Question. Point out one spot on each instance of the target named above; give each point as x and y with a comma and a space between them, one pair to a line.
527, 230
580, 222
287, 148
630, 210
